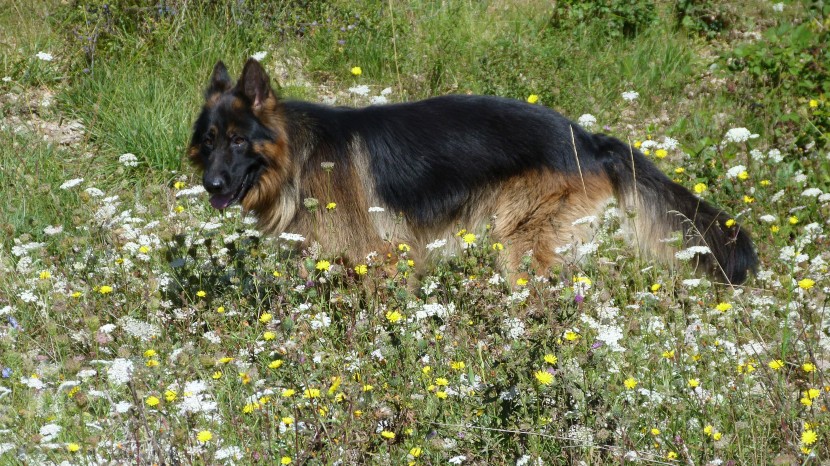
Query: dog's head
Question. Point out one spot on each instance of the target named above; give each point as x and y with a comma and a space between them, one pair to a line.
239, 140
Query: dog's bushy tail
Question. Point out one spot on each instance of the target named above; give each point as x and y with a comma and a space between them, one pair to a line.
661, 207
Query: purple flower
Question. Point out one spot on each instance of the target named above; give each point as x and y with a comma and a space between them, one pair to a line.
579, 298
7, 372
597, 344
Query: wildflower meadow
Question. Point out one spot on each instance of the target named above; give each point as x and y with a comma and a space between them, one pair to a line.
140, 326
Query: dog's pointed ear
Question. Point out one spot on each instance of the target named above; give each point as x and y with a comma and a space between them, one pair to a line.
220, 80
255, 84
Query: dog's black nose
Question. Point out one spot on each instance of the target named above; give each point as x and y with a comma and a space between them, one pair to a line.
214, 184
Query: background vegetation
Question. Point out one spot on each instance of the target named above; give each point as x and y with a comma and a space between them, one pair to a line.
138, 325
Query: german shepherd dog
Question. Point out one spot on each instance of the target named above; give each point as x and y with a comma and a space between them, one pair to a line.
438, 165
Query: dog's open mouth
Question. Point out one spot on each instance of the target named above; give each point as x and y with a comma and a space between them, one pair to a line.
222, 201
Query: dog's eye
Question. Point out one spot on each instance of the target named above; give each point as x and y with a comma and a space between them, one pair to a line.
208, 140
238, 140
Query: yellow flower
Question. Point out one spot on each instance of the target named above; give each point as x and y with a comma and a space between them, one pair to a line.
179, 184
544, 377
806, 401
668, 354
245, 378
708, 429
808, 367
151, 363
457, 365
216, 375
813, 103
73, 447
45, 275
551, 359
331, 206
204, 436
776, 364
310, 393
361, 269
637, 144
812, 393
766, 182
220, 309
179, 209
265, 317
105, 289
694, 383
201, 293
806, 283
387, 435
679, 170
225, 360
630, 383
442, 382
655, 431
723, 307
793, 220
717, 436
323, 265
571, 335
149, 353
276, 273
144, 249
774, 228
76, 294
442, 395
285, 460
152, 401
469, 238
700, 187
356, 71
748, 199
287, 420
275, 364
730, 223
403, 247
394, 316
671, 456
521, 281
809, 437
170, 396
655, 287
368, 388
426, 370
415, 452
498, 247
288, 393
532, 98
743, 175
660, 153
268, 336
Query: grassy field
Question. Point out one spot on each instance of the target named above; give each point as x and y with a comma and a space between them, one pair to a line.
138, 326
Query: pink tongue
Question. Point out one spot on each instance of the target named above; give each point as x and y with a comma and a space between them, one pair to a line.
220, 202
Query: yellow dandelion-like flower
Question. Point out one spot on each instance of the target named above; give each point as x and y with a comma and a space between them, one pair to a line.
748, 199
216, 375
268, 336
170, 396
655, 287
150, 353
700, 187
679, 170
551, 359
76, 294
774, 228
45, 275
144, 249
368, 388
743, 175
808, 367
812, 393
806, 401
394, 316
776, 364
806, 283
225, 360
637, 144
356, 71
809, 437
288, 392
723, 307
655, 431
469, 238
694, 383
426, 370
415, 452
201, 293
543, 377
285, 460
442, 382
630, 383
151, 363
570, 335
152, 401
521, 281
730, 223
275, 364
793, 220
457, 365
361, 269
668, 354
708, 429
442, 395
287, 420
387, 435
220, 309
323, 265
765, 182
245, 378
813, 103
331, 206
265, 317
532, 98
310, 393
717, 436
106, 289
497, 247
671, 456
204, 436
179, 209
179, 184
403, 247
661, 153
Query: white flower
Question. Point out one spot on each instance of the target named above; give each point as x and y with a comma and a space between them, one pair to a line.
691, 252
735, 171
53, 230
49, 432
583, 220
120, 371
386, 91
630, 95
139, 329
739, 135
376, 209
292, 237
32, 382
587, 120
128, 160
439, 243
7, 79
361, 90
778, 7
775, 155
259, 56
812, 192
45, 56
231, 452
378, 100
768, 218
458, 459
94, 192
72, 183
514, 327
691, 282
669, 143
122, 407
190, 192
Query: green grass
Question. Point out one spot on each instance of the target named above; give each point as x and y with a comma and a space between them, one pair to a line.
202, 307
